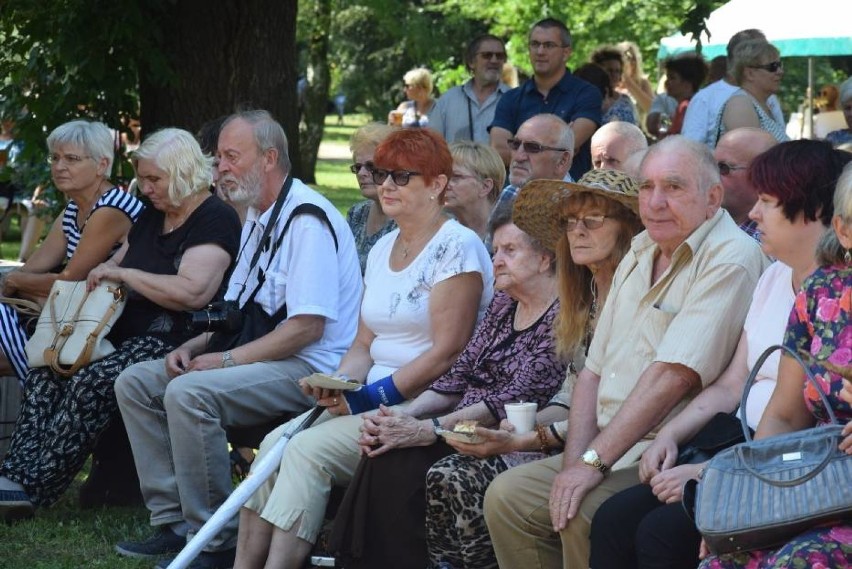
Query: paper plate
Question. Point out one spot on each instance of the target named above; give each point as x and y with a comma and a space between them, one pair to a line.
469, 438
323, 381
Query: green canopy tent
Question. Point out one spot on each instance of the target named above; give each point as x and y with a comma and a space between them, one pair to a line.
798, 28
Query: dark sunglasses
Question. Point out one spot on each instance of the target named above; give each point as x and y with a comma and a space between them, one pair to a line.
590, 222
356, 167
725, 169
770, 67
399, 177
532, 147
489, 55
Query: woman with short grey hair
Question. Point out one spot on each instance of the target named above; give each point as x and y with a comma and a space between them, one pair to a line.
173, 261
90, 229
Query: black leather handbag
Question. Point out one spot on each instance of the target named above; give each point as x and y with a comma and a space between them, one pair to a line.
760, 494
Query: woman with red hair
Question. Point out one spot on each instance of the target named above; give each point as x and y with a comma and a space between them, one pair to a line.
427, 283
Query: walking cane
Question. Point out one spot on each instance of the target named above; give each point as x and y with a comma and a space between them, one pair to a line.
229, 508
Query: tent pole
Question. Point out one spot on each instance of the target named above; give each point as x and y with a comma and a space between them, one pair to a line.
810, 115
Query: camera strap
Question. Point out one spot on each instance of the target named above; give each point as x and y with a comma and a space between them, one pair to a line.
267, 232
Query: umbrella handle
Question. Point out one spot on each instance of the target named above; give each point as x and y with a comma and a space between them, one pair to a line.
229, 508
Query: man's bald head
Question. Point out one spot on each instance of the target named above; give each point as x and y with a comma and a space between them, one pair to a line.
614, 142
734, 152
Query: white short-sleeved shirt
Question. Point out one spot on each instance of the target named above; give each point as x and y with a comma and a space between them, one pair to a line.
764, 326
307, 273
396, 303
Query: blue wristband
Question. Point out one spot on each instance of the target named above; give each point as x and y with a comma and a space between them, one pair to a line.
369, 397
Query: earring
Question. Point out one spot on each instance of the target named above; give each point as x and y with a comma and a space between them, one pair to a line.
433, 198
847, 257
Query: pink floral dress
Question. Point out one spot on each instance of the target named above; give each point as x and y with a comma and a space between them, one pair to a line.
820, 324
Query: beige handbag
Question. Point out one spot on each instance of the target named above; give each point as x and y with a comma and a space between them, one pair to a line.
71, 331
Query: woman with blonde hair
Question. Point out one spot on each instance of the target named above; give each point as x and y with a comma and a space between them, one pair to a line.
633, 79
590, 224
478, 176
758, 71
173, 261
414, 112
366, 218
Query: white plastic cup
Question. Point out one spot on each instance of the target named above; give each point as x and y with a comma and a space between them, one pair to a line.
522, 416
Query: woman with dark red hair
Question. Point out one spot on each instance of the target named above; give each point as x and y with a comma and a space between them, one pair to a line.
647, 526
427, 284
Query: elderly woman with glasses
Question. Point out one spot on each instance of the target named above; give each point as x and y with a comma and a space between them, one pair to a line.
758, 71
89, 230
173, 261
366, 218
478, 176
427, 284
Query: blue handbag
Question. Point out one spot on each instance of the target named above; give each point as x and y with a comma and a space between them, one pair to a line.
760, 494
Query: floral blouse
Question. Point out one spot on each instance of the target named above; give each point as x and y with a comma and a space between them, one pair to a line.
357, 220
502, 365
820, 324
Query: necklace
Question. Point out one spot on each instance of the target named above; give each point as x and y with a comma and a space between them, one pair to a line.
414, 243
171, 227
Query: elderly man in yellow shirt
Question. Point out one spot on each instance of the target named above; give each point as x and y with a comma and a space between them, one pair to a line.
670, 324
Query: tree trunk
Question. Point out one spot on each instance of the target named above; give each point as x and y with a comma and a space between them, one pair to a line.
224, 55
319, 80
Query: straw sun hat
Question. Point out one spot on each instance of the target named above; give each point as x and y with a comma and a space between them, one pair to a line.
538, 207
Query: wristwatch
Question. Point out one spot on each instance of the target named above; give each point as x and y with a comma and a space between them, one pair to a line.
436, 426
591, 458
227, 359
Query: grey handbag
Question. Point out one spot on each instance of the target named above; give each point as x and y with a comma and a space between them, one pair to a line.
760, 494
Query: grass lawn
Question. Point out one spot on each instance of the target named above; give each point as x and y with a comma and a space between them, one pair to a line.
64, 536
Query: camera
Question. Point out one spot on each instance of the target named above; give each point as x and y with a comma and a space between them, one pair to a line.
222, 316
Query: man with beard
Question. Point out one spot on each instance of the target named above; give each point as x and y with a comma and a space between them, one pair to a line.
552, 89
298, 284
466, 111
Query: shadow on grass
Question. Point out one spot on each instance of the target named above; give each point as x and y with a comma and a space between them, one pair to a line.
64, 536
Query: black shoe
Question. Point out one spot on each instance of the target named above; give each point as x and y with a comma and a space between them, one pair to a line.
15, 506
207, 560
164, 542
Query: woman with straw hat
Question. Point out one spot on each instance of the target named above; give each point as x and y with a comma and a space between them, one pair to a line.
590, 225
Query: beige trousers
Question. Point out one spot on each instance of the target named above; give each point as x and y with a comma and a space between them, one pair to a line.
518, 516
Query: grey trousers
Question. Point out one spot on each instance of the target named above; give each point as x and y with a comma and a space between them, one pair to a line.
177, 431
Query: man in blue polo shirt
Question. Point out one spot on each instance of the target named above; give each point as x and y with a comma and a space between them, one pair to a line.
552, 89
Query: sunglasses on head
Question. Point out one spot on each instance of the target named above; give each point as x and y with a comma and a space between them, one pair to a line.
532, 147
399, 177
356, 167
770, 67
725, 169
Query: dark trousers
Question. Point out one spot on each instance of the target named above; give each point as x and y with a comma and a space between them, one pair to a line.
635, 530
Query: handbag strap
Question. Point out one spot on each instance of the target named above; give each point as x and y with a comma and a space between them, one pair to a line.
22, 306
752, 376
85, 356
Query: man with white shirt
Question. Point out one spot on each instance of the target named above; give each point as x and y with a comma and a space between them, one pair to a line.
466, 111
298, 284
706, 104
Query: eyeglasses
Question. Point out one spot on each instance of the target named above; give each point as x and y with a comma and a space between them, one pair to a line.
532, 147
725, 169
399, 177
770, 67
456, 178
589, 222
547, 45
356, 167
489, 55
69, 159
